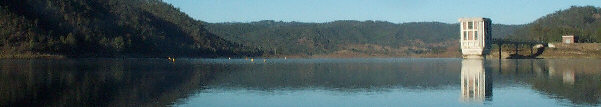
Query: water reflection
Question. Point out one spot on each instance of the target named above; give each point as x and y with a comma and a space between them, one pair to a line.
476, 84
340, 74
472, 80
96, 82
367, 82
570, 81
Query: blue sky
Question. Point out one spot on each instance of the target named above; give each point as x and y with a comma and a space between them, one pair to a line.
396, 11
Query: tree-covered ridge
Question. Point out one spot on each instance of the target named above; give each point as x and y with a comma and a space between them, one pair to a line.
582, 21
286, 38
108, 28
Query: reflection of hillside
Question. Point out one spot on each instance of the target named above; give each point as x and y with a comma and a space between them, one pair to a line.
154, 82
348, 75
577, 80
97, 83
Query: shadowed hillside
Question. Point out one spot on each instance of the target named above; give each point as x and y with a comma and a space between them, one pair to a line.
107, 28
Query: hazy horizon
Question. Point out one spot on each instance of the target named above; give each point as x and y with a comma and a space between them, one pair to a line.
512, 12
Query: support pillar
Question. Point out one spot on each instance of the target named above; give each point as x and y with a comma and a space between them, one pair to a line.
531, 53
516, 48
500, 51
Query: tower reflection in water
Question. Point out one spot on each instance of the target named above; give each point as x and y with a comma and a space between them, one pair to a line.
476, 83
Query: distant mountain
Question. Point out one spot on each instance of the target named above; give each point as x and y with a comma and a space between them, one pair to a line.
377, 38
108, 28
581, 21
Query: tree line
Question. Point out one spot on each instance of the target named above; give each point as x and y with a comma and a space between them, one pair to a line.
583, 22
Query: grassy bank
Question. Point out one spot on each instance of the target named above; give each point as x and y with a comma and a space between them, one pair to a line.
555, 50
577, 50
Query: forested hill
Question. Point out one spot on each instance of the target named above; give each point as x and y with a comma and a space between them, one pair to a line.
108, 28
378, 38
582, 21
353, 38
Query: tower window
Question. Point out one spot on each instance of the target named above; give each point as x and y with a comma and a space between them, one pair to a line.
470, 25
470, 35
476, 35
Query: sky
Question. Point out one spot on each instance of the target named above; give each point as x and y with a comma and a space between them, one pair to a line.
396, 11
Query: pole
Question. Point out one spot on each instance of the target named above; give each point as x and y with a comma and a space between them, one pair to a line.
500, 46
516, 48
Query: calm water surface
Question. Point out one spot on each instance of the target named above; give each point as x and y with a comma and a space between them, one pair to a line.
300, 82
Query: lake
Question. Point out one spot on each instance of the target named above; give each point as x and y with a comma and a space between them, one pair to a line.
301, 82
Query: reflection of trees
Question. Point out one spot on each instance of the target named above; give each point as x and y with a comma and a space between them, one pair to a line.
347, 75
151, 82
577, 80
99, 82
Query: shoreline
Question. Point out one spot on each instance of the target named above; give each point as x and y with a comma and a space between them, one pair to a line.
47, 56
559, 51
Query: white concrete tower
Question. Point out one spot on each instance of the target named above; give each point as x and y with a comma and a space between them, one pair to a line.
475, 37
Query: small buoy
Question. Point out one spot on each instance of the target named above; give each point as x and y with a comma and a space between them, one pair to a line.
229, 58
264, 60
252, 60
284, 57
